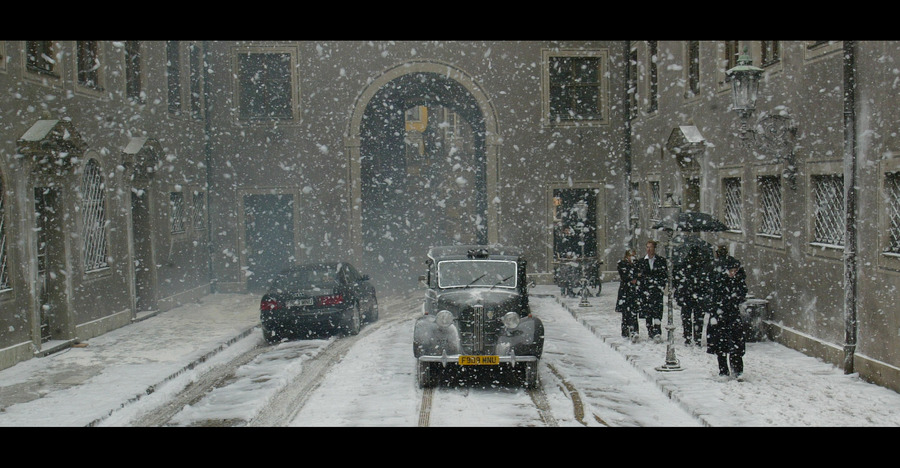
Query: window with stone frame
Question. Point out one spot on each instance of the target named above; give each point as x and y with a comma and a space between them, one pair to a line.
693, 69
652, 76
732, 208
87, 63
178, 214
769, 52
828, 209
93, 211
40, 57
769, 192
632, 83
892, 196
576, 87
173, 76
4, 261
265, 84
133, 83
196, 81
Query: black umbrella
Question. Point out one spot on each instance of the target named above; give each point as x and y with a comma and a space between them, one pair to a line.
692, 221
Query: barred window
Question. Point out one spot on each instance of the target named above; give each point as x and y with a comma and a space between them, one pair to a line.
4, 262
770, 52
653, 76
176, 202
198, 210
770, 205
731, 188
892, 189
94, 216
655, 199
828, 199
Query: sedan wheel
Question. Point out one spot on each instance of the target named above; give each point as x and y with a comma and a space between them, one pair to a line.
355, 321
373, 311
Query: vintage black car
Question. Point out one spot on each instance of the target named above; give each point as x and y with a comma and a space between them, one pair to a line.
476, 313
305, 299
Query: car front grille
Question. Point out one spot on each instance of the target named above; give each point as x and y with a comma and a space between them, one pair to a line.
478, 330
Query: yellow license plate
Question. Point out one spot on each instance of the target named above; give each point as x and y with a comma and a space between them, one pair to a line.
479, 360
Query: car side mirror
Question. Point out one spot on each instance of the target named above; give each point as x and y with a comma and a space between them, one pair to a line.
364, 277
423, 280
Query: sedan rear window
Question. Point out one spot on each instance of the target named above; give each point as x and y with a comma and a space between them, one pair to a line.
301, 279
481, 273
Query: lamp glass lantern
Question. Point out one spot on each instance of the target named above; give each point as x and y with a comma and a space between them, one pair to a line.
744, 78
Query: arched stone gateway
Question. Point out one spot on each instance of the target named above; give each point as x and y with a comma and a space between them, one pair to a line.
410, 189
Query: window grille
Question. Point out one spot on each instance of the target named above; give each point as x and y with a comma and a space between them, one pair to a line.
770, 205
94, 215
198, 210
828, 198
176, 200
4, 272
892, 189
655, 199
733, 214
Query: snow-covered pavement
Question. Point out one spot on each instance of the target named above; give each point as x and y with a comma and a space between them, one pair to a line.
126, 368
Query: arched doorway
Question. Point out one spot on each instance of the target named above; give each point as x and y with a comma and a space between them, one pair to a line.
425, 139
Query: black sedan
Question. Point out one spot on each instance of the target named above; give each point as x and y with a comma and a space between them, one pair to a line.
306, 299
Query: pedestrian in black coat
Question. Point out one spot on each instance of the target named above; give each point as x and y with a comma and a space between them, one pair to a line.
691, 287
726, 332
653, 275
626, 299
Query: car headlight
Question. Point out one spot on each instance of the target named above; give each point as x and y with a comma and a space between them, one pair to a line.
444, 318
511, 320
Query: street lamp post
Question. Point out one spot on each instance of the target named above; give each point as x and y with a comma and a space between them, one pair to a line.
669, 212
581, 210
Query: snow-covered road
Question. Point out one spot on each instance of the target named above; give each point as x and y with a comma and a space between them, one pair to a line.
584, 382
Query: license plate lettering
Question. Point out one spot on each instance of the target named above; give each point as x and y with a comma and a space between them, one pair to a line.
300, 302
479, 360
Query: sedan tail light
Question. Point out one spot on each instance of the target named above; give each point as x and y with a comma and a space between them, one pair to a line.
270, 304
334, 299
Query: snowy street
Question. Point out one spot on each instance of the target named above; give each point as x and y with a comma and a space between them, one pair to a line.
221, 373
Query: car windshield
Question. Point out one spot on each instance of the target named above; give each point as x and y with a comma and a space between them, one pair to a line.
306, 278
481, 273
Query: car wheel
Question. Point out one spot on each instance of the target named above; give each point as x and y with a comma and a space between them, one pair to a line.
270, 336
373, 311
426, 374
530, 375
354, 322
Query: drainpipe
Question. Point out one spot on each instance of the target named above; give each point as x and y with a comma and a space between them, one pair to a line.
626, 104
207, 135
850, 204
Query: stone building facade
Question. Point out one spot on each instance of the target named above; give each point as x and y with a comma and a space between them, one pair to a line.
141, 175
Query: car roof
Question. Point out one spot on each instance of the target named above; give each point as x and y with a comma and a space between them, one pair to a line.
465, 252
